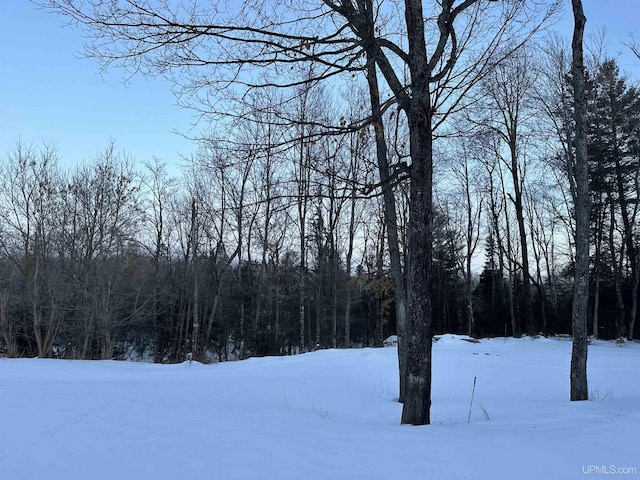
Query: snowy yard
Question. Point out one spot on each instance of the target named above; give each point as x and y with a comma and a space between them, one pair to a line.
324, 415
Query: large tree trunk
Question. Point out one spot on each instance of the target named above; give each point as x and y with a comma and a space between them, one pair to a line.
417, 402
579, 389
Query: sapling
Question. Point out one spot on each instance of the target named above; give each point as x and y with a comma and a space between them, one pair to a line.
473, 391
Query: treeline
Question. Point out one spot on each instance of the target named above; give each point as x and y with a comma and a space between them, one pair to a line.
110, 260
272, 239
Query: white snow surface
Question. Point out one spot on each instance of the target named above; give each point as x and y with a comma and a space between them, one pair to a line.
330, 414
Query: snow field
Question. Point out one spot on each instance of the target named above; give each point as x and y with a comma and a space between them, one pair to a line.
325, 415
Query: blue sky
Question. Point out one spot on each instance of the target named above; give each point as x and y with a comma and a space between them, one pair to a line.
49, 93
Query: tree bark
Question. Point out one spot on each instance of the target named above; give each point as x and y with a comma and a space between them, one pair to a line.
579, 389
417, 402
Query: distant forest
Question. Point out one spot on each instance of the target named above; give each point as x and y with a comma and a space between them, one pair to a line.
272, 239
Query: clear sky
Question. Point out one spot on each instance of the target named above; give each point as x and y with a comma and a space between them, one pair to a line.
49, 93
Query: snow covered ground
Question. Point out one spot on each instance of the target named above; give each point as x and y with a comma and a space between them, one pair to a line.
324, 415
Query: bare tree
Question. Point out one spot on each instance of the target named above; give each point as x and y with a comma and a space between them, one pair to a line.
501, 230
579, 389
542, 228
357, 148
634, 47
268, 184
468, 200
109, 194
431, 78
214, 49
159, 189
7, 327
337, 199
509, 91
29, 195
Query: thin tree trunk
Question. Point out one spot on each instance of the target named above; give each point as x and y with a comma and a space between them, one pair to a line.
352, 227
597, 269
319, 313
471, 243
277, 318
596, 305
8, 332
498, 239
333, 265
530, 325
349, 281
391, 220
515, 324
616, 264
195, 331
634, 303
303, 198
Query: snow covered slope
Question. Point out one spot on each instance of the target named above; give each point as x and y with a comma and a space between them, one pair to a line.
324, 415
